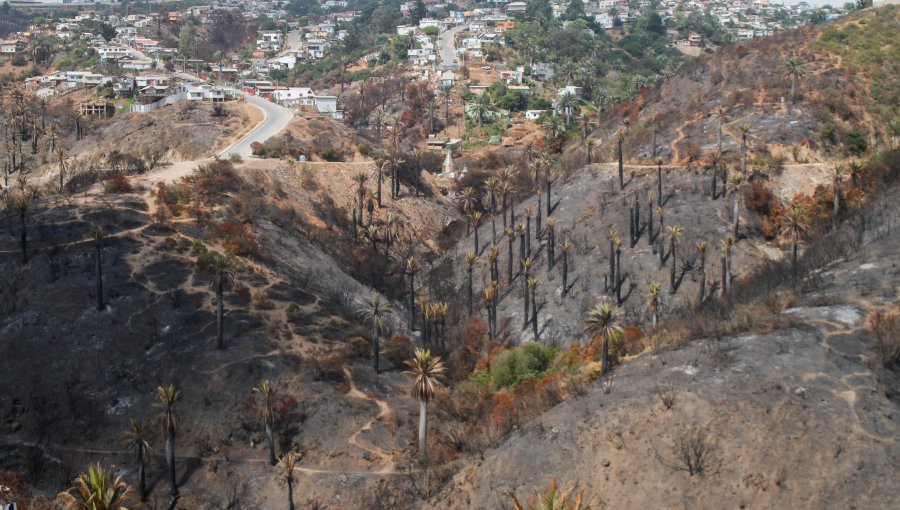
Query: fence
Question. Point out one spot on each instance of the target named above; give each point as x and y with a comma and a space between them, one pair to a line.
147, 108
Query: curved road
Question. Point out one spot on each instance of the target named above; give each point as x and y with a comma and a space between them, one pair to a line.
275, 119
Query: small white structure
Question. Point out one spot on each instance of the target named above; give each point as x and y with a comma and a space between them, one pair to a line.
533, 114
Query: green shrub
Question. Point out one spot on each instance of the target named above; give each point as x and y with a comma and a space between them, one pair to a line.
513, 367
856, 142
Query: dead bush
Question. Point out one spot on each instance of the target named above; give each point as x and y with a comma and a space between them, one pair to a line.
399, 350
260, 301
358, 347
666, 396
884, 327
327, 365
117, 182
692, 450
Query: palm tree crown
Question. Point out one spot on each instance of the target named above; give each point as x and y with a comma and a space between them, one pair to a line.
167, 397
427, 372
98, 489
600, 321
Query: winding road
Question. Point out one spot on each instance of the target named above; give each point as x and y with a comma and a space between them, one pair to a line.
275, 119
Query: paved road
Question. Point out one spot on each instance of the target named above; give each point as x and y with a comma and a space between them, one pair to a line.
292, 41
447, 45
275, 118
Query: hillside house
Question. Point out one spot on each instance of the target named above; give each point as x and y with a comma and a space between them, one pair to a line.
12, 47
300, 97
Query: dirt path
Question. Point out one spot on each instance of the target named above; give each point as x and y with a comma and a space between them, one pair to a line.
383, 410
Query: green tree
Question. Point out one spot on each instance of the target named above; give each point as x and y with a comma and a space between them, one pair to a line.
187, 40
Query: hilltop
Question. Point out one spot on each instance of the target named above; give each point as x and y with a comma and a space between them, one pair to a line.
846, 101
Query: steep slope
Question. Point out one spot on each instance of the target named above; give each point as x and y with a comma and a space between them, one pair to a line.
798, 414
80, 374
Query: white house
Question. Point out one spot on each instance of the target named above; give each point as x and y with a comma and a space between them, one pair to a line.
283, 63
533, 114
570, 89
296, 97
112, 52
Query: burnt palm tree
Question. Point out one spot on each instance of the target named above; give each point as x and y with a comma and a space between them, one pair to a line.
22, 209
794, 68
97, 234
838, 178
379, 174
650, 218
528, 230
287, 476
701, 250
795, 223
223, 277
620, 154
719, 113
661, 248
98, 489
612, 235
375, 313
532, 284
654, 300
618, 243
725, 248
550, 175
511, 238
492, 186
471, 258
476, 222
673, 233
266, 390
63, 163
745, 135
136, 441
411, 271
168, 420
427, 372
360, 178
551, 243
566, 246
737, 182
601, 323
526, 271
489, 304
493, 257
632, 227
659, 182
467, 202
